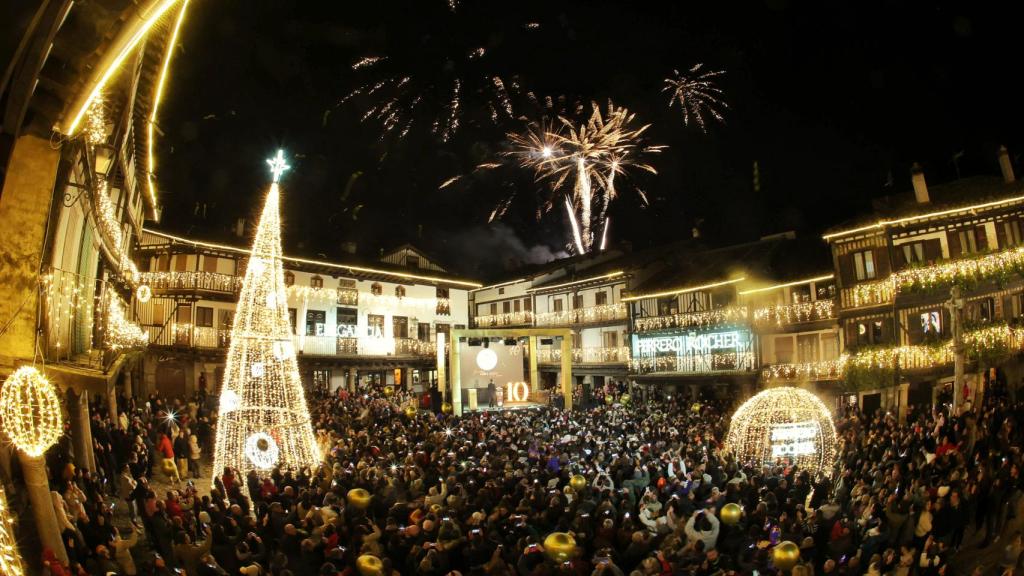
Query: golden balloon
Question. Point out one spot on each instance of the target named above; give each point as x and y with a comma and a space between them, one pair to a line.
389, 391
409, 411
560, 546
358, 498
30, 411
609, 399
578, 482
369, 565
731, 513
624, 399
785, 555
446, 408
436, 508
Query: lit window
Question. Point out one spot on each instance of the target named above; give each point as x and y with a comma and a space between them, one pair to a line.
289, 278
1011, 231
864, 265
376, 289
316, 282
400, 291
913, 253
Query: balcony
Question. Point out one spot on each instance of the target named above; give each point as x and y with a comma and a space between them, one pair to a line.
693, 364
783, 315
824, 370
191, 282
504, 320
591, 355
589, 315
703, 319
868, 294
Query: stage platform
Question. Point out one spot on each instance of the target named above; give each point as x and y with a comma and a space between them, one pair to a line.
515, 406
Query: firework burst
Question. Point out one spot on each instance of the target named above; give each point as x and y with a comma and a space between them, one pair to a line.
446, 80
590, 153
697, 94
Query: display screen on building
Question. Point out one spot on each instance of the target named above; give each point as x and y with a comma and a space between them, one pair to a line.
693, 352
497, 362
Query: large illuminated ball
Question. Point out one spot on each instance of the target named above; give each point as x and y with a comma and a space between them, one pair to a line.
30, 409
784, 425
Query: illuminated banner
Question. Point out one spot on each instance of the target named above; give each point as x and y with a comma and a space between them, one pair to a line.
794, 439
693, 352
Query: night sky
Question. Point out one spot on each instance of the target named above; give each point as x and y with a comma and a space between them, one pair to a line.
828, 99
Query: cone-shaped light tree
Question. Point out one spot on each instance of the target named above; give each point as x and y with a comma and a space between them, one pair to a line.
264, 420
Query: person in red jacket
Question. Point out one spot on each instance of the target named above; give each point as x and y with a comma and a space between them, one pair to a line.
166, 449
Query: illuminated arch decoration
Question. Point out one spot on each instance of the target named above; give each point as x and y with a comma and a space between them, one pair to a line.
784, 425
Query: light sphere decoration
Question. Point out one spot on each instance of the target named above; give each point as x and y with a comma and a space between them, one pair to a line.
578, 482
560, 546
486, 359
358, 498
731, 513
784, 425
446, 407
261, 449
30, 409
785, 555
409, 411
369, 565
389, 391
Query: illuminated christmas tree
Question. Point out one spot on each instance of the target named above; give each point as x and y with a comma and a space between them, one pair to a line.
264, 421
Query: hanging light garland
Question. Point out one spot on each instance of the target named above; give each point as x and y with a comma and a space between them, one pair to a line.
793, 313
785, 424
988, 340
587, 315
96, 121
122, 333
30, 409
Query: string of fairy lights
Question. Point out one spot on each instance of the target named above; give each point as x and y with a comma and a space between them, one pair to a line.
775, 314
70, 303
586, 355
587, 315
907, 357
967, 270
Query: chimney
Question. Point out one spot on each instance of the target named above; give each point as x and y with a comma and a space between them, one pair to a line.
1006, 166
920, 188
240, 227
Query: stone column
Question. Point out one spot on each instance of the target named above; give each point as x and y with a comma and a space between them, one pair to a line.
81, 432
38, 487
407, 379
112, 403
903, 395
353, 375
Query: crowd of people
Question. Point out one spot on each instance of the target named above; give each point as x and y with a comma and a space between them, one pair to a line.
479, 494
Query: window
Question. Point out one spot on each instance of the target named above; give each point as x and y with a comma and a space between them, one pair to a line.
968, 241
800, 294
668, 306
577, 301
209, 263
375, 325
913, 253
869, 332
825, 291
180, 262
376, 289
556, 305
982, 310
400, 326
807, 348
501, 290
494, 308
412, 261
163, 262
423, 331
784, 349
516, 305
864, 265
829, 346
204, 316
506, 307
610, 339
316, 282
292, 314
443, 329
321, 380
346, 320
316, 322
289, 278
1011, 233
527, 304
227, 318
601, 298
442, 292
577, 340
400, 291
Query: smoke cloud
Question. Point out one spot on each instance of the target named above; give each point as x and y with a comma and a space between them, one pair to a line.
496, 248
